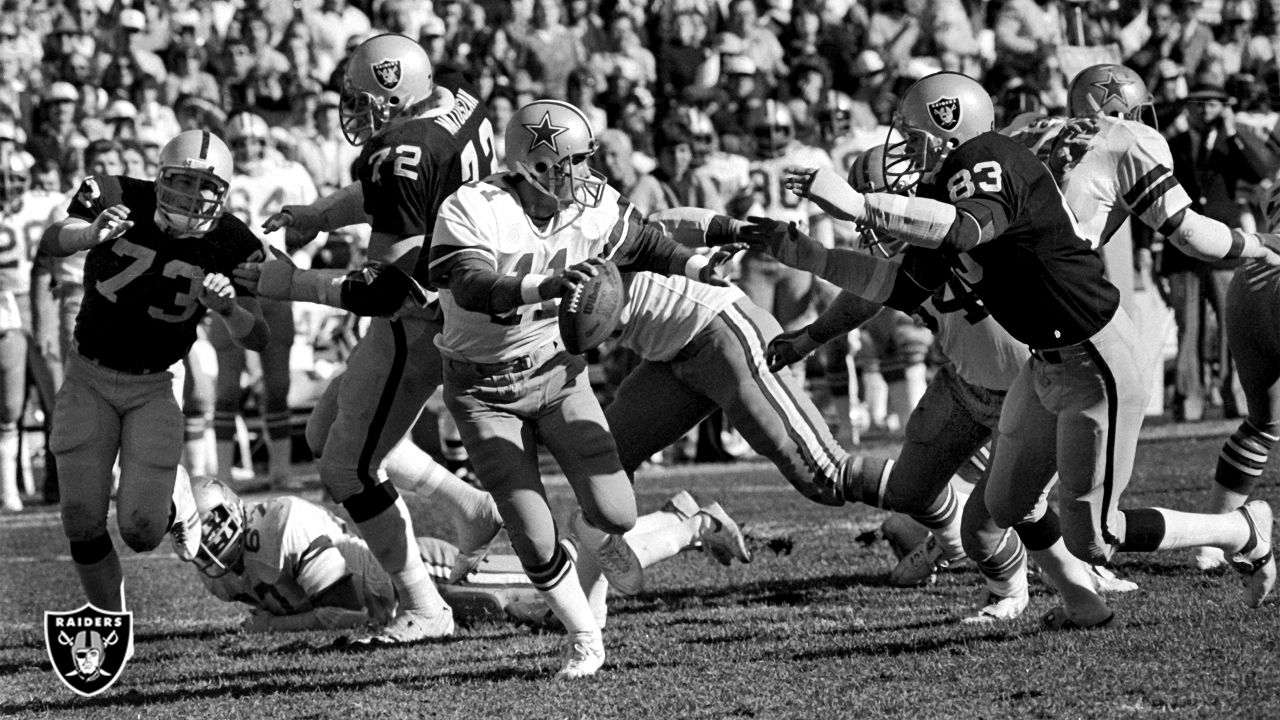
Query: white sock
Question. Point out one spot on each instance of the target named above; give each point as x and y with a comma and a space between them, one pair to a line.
9, 466
568, 601
1015, 584
653, 521
1227, 531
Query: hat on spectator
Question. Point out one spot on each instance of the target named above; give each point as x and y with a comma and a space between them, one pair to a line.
120, 110
868, 62
330, 98
149, 135
131, 19
1208, 91
197, 103
738, 65
729, 44
186, 18
8, 129
61, 91
433, 27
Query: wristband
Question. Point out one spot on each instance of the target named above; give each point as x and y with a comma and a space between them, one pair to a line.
1237, 246
694, 266
529, 289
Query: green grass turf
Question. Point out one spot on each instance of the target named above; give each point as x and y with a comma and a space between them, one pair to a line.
805, 631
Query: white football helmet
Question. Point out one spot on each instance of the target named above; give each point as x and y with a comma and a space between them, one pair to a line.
222, 525
191, 188
936, 114
773, 128
550, 143
15, 178
1110, 89
835, 115
249, 137
866, 175
387, 76
702, 131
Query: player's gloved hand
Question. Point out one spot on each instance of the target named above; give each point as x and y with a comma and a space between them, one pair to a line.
272, 279
217, 293
565, 280
301, 219
110, 224
790, 348
710, 274
785, 242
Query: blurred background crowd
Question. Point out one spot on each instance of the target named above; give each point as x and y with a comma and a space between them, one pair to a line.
671, 86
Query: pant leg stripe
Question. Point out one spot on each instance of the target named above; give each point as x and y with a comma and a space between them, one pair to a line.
399, 356
1113, 406
778, 395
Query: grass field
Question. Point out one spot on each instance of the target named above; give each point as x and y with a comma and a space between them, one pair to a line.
805, 631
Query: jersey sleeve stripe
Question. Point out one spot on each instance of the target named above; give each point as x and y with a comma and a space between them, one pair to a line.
621, 228
1155, 194
1135, 193
441, 255
316, 547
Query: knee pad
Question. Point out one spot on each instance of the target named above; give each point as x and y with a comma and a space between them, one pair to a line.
93, 550
370, 501
1243, 458
1039, 534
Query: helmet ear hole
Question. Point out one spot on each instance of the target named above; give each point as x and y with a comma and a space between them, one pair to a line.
393, 101
541, 166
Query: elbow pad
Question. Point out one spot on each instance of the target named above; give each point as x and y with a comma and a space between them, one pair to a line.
378, 290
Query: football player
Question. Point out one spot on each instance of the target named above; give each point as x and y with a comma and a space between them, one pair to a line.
716, 176
989, 213
262, 181
298, 567
1252, 302
24, 214
421, 139
504, 251
160, 255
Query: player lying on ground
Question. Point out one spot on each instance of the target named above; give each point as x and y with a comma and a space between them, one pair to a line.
990, 214
298, 567
160, 254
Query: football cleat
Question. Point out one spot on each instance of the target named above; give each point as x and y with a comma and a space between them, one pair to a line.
903, 534
993, 608
1104, 580
411, 627
185, 530
921, 565
615, 557
1255, 560
682, 505
1057, 619
583, 656
725, 542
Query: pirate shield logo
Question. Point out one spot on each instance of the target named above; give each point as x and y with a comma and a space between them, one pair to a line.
88, 647
387, 73
945, 112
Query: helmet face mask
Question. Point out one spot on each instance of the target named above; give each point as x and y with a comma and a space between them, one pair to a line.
866, 175
936, 115
835, 118
249, 136
1111, 90
191, 188
15, 180
386, 77
550, 144
222, 529
772, 128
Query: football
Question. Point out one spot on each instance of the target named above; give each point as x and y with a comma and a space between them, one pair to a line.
591, 312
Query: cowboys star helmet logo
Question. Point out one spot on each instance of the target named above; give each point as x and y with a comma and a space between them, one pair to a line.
88, 647
545, 133
945, 112
1112, 88
387, 73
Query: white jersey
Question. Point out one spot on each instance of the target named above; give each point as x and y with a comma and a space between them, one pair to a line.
771, 198
255, 197
663, 314
1108, 169
293, 551
486, 221
728, 174
20, 233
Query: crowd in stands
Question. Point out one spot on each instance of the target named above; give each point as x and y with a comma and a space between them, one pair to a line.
135, 72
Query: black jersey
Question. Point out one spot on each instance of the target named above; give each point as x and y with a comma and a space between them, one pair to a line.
1036, 275
407, 171
140, 310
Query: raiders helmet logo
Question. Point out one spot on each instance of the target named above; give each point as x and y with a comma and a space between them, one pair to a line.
387, 73
945, 112
88, 647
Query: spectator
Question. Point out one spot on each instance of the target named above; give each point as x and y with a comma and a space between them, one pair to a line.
187, 76
758, 41
549, 51
434, 39
153, 111
625, 54
132, 24
502, 105
1027, 33
680, 186
1209, 160
616, 160
119, 77
304, 67
120, 119
326, 154
56, 136
334, 25
581, 86
684, 56
893, 32
743, 93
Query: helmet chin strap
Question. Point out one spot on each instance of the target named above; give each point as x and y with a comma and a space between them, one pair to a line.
165, 223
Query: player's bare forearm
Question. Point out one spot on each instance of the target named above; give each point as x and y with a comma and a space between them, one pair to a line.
1209, 239
71, 235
